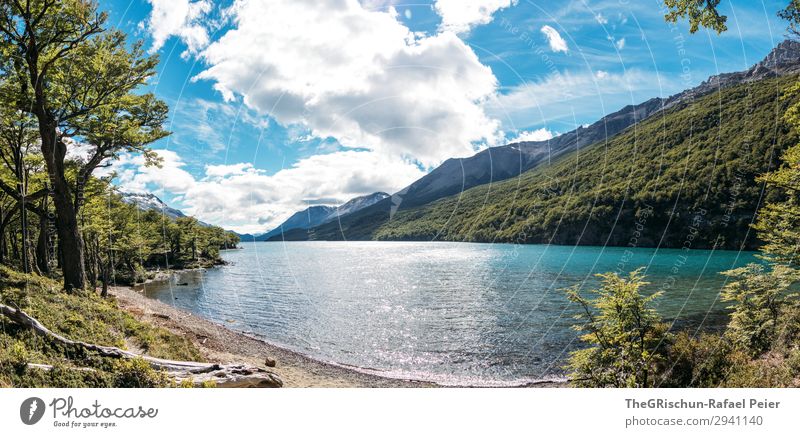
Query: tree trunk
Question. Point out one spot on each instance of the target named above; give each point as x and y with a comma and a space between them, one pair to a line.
3, 248
69, 236
91, 265
12, 237
42, 250
106, 269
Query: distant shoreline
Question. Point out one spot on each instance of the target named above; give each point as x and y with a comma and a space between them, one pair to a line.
219, 343
503, 243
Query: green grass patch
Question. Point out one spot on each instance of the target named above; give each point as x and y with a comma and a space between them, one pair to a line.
82, 316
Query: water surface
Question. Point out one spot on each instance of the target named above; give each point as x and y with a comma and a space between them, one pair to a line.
453, 313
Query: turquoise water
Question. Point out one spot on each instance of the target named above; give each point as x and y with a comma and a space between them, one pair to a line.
453, 313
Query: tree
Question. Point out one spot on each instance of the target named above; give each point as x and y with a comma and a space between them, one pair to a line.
71, 69
704, 13
779, 222
624, 332
759, 298
701, 13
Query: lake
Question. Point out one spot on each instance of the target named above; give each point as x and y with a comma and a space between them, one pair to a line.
452, 313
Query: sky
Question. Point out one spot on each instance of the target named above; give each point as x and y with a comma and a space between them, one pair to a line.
276, 105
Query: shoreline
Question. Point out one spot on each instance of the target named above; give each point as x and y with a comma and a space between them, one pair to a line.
221, 344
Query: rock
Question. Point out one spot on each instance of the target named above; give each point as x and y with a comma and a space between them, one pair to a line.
269, 362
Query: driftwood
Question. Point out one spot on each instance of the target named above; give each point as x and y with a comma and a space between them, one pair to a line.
224, 375
49, 367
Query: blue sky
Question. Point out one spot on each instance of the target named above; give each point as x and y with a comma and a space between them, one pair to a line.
280, 104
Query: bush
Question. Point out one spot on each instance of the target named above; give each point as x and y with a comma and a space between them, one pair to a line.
759, 299
626, 336
137, 373
701, 361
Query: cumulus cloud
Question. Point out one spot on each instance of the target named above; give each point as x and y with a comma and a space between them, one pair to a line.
356, 75
180, 18
462, 15
542, 134
245, 199
620, 44
554, 39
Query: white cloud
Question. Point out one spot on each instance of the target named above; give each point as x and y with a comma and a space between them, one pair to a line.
379, 4
557, 43
600, 18
590, 95
541, 134
245, 199
200, 122
181, 18
356, 75
462, 15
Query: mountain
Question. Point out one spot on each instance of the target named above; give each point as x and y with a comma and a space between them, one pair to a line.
316, 215
456, 177
499, 163
686, 179
151, 202
307, 218
356, 204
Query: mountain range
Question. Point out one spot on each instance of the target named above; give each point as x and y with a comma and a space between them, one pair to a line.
457, 178
319, 214
151, 202
492, 195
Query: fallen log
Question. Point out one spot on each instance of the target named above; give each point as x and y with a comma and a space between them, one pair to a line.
223, 375
48, 367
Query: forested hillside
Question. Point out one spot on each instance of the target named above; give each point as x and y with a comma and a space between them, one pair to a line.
684, 177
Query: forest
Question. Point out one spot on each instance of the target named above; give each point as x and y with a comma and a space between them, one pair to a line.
692, 167
72, 101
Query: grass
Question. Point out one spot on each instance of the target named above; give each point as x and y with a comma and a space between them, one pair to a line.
80, 316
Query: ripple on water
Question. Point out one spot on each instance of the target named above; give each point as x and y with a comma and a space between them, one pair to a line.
453, 313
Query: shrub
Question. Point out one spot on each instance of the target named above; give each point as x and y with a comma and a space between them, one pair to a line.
759, 298
625, 335
701, 361
137, 373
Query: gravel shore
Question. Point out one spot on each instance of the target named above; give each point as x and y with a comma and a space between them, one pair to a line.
220, 344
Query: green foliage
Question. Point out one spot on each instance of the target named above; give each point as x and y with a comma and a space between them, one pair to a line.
126, 241
792, 15
701, 13
658, 181
85, 317
758, 300
702, 361
137, 373
625, 335
779, 220
764, 372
